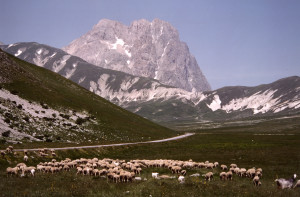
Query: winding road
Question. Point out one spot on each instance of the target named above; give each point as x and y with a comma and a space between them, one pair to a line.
109, 145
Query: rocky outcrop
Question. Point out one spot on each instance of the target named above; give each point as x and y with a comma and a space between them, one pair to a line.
147, 49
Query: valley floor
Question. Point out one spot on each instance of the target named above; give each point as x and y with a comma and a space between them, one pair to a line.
271, 145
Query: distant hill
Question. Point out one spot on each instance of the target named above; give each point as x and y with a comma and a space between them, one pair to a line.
37, 104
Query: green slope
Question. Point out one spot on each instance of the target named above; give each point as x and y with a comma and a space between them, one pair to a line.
43, 86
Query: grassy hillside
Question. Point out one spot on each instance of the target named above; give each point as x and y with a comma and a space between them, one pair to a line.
39, 85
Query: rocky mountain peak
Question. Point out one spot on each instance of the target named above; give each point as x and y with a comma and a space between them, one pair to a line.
144, 48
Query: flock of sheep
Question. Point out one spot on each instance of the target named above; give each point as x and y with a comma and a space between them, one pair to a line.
122, 171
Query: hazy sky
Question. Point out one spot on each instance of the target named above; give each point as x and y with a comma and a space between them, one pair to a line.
236, 42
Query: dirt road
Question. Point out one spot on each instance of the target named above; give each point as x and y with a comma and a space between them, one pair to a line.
109, 145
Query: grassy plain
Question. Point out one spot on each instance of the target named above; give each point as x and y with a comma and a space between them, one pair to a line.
273, 145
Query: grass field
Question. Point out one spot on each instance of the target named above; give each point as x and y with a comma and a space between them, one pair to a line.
273, 145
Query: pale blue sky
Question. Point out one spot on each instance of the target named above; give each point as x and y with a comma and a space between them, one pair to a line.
236, 42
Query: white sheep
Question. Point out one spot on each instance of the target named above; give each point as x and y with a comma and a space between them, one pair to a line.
195, 175
25, 158
12, 171
32, 171
286, 183
223, 176
155, 175
209, 176
256, 181
181, 179
229, 175
224, 167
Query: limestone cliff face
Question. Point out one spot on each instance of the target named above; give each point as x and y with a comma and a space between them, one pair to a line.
148, 49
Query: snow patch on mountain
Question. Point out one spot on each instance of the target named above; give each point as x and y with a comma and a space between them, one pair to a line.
81, 79
260, 102
215, 104
59, 64
18, 53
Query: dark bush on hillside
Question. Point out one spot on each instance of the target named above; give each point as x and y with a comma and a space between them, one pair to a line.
6, 133
7, 120
80, 121
10, 116
48, 140
20, 106
65, 116
49, 119
26, 118
58, 138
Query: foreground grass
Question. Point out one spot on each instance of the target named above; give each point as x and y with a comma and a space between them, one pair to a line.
278, 156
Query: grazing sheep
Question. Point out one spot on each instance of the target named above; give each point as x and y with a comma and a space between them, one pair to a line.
96, 172
79, 170
210, 166
259, 174
8, 150
242, 172
66, 168
209, 176
216, 164
40, 168
155, 175
138, 178
183, 172
224, 167
43, 154
297, 184
229, 175
32, 171
25, 158
116, 178
256, 181
176, 169
285, 183
223, 176
251, 173
195, 175
236, 170
181, 179
11, 148
3, 153
12, 171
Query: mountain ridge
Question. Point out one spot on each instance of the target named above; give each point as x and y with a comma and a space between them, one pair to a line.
144, 48
160, 103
